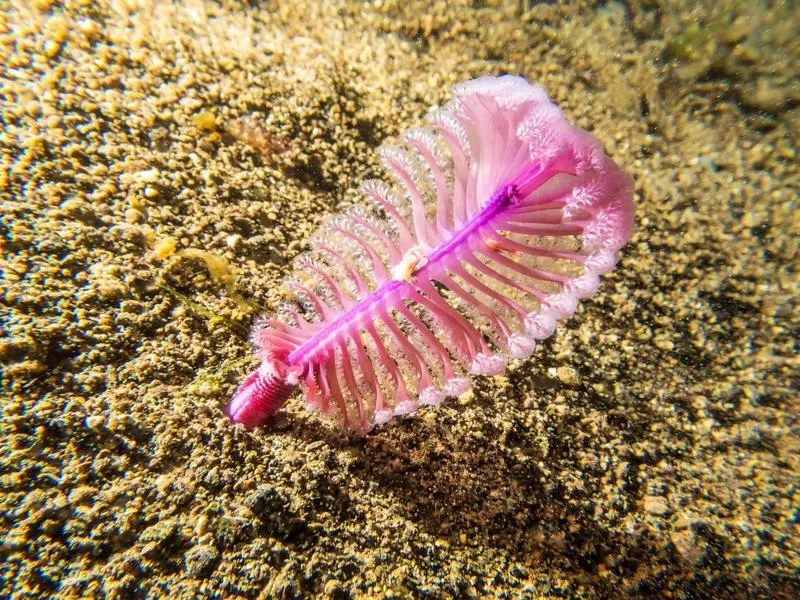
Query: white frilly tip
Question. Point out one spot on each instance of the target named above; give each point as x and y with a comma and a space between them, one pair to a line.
560, 305
540, 326
431, 396
488, 364
521, 346
456, 386
601, 261
382, 416
583, 286
405, 408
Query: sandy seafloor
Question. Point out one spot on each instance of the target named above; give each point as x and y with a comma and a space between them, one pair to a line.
163, 161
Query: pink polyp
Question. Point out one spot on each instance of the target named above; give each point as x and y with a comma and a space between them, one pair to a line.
369, 374
325, 391
321, 307
312, 396
350, 382
430, 339
456, 322
377, 264
494, 295
480, 307
404, 175
539, 229
442, 196
406, 237
401, 392
460, 169
355, 277
488, 271
334, 287
423, 375
336, 391
525, 270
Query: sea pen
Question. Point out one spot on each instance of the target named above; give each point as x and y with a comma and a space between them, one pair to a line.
497, 220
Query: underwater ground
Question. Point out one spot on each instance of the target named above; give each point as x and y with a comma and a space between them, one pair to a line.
162, 162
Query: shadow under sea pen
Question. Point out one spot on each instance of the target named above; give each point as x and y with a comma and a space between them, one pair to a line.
499, 218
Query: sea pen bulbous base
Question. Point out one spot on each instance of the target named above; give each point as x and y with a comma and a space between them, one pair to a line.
259, 396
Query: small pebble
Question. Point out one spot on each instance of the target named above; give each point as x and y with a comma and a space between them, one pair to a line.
201, 525
201, 560
656, 505
95, 422
147, 176
567, 375
165, 246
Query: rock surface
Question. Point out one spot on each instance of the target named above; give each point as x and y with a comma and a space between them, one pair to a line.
160, 165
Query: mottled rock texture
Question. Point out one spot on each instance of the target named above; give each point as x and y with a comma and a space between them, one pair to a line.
160, 164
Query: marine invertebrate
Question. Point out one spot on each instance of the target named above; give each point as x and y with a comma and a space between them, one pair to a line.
498, 221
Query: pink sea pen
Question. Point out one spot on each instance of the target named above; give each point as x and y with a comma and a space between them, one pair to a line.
499, 218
